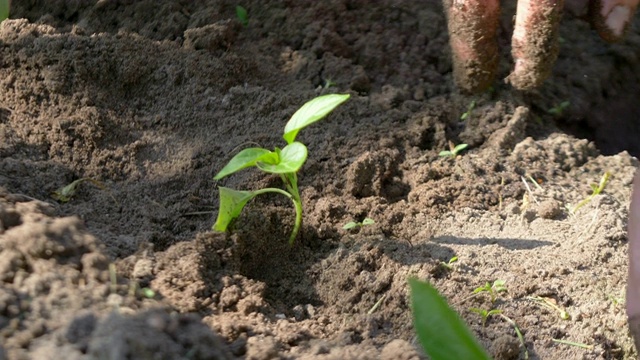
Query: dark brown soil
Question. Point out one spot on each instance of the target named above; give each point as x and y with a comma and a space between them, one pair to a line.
152, 98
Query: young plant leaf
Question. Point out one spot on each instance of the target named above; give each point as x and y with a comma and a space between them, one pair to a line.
441, 332
4, 9
244, 159
368, 221
292, 157
231, 204
242, 15
311, 112
350, 225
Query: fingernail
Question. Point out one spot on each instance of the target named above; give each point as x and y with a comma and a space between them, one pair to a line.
617, 19
612, 17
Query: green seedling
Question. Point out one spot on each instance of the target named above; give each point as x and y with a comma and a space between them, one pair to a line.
285, 162
518, 333
376, 305
64, 194
491, 289
353, 224
596, 189
559, 109
466, 114
551, 305
242, 15
449, 264
441, 332
329, 83
485, 314
571, 343
453, 151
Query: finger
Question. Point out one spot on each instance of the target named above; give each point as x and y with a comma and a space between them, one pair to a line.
633, 281
611, 18
534, 44
473, 26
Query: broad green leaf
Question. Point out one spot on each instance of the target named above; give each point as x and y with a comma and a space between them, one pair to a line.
460, 147
242, 15
311, 112
292, 157
4, 9
368, 221
441, 332
350, 225
244, 159
231, 204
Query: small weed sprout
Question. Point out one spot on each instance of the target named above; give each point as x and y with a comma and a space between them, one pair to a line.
466, 114
518, 333
453, 151
559, 109
485, 314
285, 162
65, 193
449, 264
572, 343
492, 289
242, 15
551, 305
596, 189
353, 224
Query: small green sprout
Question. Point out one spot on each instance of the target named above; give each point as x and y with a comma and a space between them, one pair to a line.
491, 289
65, 193
242, 15
596, 189
559, 109
453, 150
328, 83
551, 305
571, 343
518, 333
449, 264
285, 162
485, 314
353, 224
466, 114
148, 293
441, 332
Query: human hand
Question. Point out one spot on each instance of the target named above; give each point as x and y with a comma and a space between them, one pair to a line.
473, 37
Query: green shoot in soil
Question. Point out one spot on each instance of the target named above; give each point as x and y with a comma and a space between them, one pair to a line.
242, 15
551, 305
64, 194
571, 343
596, 189
285, 162
453, 150
485, 314
353, 224
559, 109
491, 289
441, 332
518, 334
466, 115
449, 265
